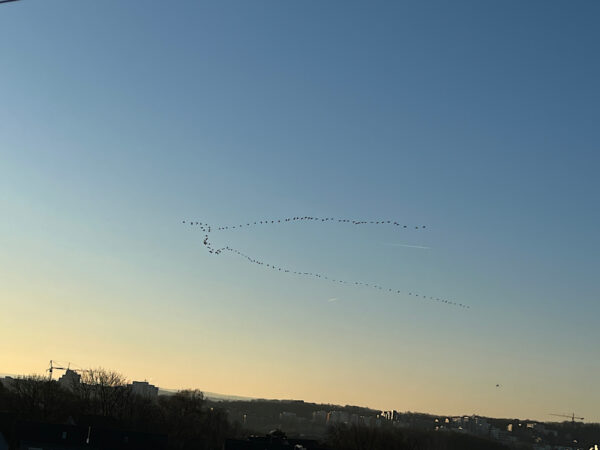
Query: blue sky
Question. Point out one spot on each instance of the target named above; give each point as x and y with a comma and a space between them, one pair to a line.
477, 119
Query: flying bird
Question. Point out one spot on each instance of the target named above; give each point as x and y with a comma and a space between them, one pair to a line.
310, 274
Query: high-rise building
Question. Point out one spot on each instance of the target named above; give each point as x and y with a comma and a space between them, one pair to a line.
70, 380
144, 389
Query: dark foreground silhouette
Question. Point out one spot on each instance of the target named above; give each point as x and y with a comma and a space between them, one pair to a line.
103, 412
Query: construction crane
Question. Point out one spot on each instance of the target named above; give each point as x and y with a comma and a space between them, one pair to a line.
54, 367
572, 417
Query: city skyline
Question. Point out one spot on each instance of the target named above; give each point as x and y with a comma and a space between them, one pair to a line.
68, 377
121, 120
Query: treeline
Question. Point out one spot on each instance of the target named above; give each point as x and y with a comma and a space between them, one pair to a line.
587, 434
357, 437
272, 408
103, 398
558, 434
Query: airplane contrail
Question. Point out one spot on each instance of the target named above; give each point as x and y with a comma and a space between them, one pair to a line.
411, 246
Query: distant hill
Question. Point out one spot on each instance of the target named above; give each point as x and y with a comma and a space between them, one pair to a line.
210, 395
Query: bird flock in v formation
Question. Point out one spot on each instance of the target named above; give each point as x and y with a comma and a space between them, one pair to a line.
207, 229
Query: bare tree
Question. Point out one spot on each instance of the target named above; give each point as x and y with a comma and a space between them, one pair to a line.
28, 394
105, 391
37, 397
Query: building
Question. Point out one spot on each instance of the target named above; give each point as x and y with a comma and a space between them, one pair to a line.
70, 380
478, 425
390, 415
337, 417
144, 389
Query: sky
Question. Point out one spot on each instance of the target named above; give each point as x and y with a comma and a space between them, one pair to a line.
119, 120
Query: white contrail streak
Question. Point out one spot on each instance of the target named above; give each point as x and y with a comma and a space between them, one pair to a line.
410, 246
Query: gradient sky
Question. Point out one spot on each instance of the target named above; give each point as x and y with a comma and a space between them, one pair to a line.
478, 119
